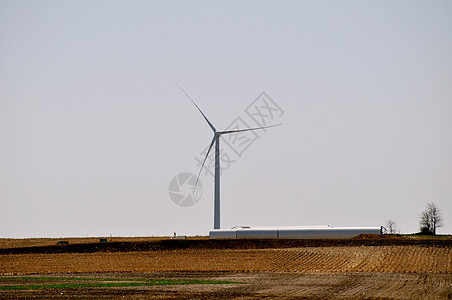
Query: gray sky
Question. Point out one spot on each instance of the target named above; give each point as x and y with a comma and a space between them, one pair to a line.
93, 128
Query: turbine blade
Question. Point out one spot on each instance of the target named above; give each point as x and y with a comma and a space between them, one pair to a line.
247, 129
208, 122
205, 158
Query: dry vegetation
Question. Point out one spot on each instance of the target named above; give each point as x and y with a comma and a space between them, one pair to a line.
381, 259
258, 286
313, 272
35, 242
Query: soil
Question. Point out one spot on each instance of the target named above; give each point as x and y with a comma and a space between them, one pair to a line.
84, 245
361, 268
262, 285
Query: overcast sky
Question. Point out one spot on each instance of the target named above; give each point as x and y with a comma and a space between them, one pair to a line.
93, 128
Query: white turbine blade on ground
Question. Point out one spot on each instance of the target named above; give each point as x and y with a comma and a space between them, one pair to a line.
248, 129
208, 122
205, 158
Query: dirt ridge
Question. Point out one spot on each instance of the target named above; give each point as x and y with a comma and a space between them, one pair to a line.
235, 244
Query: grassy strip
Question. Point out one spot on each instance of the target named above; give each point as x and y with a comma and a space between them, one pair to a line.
132, 282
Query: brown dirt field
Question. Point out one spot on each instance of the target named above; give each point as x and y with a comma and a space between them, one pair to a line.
384, 259
422, 270
93, 245
39, 242
259, 286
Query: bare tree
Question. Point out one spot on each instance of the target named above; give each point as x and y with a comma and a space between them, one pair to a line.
391, 226
431, 219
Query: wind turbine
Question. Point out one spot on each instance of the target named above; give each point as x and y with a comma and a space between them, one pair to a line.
216, 141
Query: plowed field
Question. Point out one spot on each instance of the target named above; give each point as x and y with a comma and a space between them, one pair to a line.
351, 271
385, 259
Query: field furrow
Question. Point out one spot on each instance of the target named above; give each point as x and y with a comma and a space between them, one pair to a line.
390, 259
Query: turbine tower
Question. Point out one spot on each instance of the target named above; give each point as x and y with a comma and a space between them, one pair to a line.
216, 141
